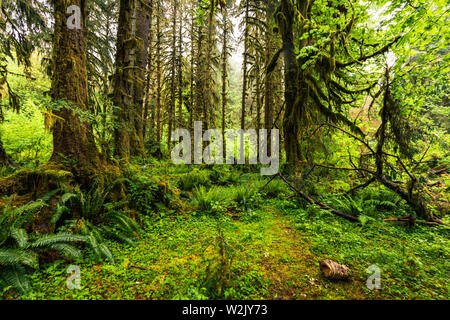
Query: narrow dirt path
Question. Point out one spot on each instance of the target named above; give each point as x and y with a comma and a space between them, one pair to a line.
294, 270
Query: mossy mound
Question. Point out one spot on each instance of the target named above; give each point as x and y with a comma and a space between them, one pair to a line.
36, 182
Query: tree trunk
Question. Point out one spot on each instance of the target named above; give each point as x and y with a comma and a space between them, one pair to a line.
158, 71
269, 77
191, 76
73, 140
180, 71
123, 79
172, 76
149, 95
224, 75
294, 105
142, 39
258, 106
244, 66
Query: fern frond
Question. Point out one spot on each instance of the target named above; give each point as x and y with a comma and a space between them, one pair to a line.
16, 276
48, 196
48, 240
122, 221
106, 252
60, 210
67, 249
12, 257
69, 196
21, 237
118, 236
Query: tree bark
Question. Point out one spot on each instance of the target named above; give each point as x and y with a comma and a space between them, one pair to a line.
158, 70
123, 83
149, 93
293, 111
224, 75
245, 65
269, 77
142, 39
171, 119
73, 140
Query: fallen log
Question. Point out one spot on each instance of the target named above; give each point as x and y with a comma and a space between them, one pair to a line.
317, 202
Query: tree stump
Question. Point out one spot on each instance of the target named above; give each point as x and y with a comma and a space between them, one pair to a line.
334, 271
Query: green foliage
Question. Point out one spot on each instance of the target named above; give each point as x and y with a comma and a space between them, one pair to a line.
98, 220
19, 251
142, 193
250, 241
224, 175
14, 218
242, 195
208, 199
24, 136
218, 271
274, 189
153, 148
193, 179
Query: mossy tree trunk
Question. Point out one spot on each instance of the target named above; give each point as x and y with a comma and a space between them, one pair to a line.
180, 71
131, 56
269, 85
73, 141
294, 105
224, 67
149, 91
173, 75
142, 37
158, 71
245, 65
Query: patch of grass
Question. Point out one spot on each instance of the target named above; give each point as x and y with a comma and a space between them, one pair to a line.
274, 250
407, 257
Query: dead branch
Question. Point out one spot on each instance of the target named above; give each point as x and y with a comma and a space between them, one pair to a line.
364, 185
410, 220
320, 204
138, 267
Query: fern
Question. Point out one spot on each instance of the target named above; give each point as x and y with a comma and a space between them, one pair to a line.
12, 257
16, 276
48, 196
99, 219
20, 236
205, 198
60, 210
48, 240
67, 249
14, 218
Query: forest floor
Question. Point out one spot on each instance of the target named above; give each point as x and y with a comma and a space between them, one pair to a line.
268, 248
